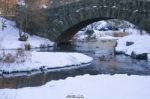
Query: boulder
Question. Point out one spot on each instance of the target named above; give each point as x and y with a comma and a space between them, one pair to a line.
139, 56
129, 43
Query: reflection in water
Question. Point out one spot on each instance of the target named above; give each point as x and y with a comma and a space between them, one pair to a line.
42, 78
105, 62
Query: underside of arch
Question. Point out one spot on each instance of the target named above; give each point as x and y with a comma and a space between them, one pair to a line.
68, 34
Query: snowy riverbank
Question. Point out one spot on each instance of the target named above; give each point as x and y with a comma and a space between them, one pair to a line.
86, 87
9, 38
44, 60
134, 44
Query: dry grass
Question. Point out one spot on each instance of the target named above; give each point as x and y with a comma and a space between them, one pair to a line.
20, 56
120, 34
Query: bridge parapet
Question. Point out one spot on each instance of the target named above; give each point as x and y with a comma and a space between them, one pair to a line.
134, 3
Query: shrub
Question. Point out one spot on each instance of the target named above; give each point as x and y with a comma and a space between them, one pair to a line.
43, 46
89, 32
9, 58
27, 47
20, 56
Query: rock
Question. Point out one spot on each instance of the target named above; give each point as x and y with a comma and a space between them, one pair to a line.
139, 56
118, 52
23, 37
129, 43
102, 58
148, 57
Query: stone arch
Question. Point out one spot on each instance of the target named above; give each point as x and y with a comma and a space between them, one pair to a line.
69, 33
64, 20
78, 15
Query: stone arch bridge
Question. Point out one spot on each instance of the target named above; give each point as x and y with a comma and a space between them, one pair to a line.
63, 18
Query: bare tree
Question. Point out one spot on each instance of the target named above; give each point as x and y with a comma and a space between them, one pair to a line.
22, 35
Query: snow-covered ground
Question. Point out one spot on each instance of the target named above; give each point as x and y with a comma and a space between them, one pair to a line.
141, 44
9, 38
110, 28
86, 87
45, 60
107, 38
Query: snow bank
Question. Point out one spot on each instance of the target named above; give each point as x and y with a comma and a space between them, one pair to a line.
141, 44
107, 38
9, 38
98, 25
46, 60
87, 87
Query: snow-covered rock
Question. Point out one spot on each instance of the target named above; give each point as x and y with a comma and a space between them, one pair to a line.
45, 60
9, 38
86, 87
141, 44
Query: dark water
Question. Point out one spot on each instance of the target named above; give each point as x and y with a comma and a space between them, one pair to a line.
105, 62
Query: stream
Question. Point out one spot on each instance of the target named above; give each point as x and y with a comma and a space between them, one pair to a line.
105, 62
